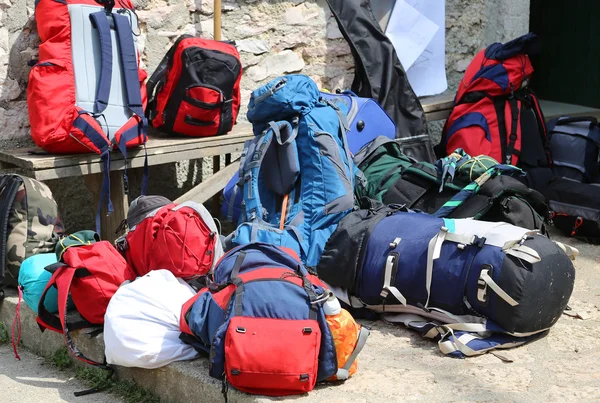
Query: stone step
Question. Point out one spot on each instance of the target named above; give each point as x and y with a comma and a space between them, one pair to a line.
179, 382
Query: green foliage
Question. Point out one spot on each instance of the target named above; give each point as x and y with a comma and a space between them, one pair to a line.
128, 391
61, 359
4, 337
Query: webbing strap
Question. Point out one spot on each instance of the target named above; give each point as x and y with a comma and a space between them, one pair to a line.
344, 372
496, 288
524, 253
129, 67
512, 138
103, 146
434, 250
100, 22
239, 260
276, 127
387, 279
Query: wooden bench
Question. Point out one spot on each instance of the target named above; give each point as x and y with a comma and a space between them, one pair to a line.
161, 150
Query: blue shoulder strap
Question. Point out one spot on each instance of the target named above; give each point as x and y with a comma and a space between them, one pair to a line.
100, 22
129, 66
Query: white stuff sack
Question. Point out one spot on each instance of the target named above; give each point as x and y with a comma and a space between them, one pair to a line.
141, 325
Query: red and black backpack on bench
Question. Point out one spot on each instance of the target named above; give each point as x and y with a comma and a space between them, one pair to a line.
495, 111
195, 90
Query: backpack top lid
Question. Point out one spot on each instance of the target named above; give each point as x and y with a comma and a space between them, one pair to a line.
500, 68
142, 206
282, 98
258, 255
80, 238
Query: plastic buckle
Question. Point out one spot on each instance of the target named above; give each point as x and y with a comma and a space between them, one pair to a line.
307, 330
479, 242
125, 183
240, 329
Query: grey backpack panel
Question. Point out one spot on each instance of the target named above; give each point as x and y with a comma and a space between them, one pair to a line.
86, 65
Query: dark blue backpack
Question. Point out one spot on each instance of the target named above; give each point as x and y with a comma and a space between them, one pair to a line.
475, 285
366, 121
297, 174
262, 322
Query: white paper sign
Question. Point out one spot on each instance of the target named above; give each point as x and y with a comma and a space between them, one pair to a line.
410, 31
427, 72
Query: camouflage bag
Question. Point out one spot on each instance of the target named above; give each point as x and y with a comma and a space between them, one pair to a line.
29, 224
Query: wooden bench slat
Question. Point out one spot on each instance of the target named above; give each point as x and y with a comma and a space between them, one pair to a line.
443, 102
157, 159
155, 147
211, 186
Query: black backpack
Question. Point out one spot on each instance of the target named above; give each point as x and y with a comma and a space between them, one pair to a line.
393, 178
572, 185
575, 148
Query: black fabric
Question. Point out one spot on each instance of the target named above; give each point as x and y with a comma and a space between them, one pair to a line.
534, 144
499, 106
9, 186
379, 73
512, 137
418, 193
542, 289
344, 250
576, 208
504, 198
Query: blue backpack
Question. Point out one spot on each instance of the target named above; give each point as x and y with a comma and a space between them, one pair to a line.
262, 322
366, 121
474, 285
297, 174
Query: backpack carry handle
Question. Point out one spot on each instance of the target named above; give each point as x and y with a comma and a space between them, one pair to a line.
577, 119
107, 4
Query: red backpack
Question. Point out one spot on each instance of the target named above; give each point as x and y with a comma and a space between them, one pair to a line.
195, 90
90, 274
86, 93
183, 239
495, 112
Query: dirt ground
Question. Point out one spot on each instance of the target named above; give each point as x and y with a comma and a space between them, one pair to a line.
398, 365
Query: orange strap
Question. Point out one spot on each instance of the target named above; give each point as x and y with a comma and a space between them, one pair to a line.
283, 211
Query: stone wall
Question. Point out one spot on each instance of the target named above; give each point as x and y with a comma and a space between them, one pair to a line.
274, 37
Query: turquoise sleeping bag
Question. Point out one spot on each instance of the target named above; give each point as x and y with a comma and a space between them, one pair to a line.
33, 279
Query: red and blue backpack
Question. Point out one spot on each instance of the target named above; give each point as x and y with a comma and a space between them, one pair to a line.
86, 93
262, 323
495, 111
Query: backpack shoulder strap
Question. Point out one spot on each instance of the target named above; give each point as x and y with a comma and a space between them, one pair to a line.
129, 64
100, 22
62, 279
133, 93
